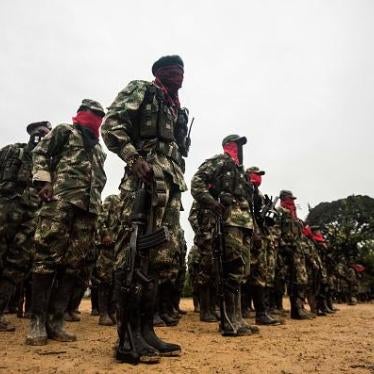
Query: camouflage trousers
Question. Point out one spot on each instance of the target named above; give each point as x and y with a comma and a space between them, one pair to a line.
105, 265
164, 259
236, 264
263, 260
17, 226
64, 239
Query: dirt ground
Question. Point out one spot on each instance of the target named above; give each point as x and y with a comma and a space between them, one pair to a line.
341, 343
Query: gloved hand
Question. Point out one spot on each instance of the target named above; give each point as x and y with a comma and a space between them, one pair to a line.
217, 208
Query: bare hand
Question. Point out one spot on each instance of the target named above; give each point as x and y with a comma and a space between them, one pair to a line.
107, 240
46, 192
143, 170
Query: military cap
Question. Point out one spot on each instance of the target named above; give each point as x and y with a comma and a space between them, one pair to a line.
167, 61
234, 138
93, 105
255, 169
285, 193
32, 126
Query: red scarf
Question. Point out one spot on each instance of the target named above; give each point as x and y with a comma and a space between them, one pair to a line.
318, 237
307, 231
89, 120
289, 203
169, 79
231, 149
255, 179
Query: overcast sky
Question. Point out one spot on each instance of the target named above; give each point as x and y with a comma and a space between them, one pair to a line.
295, 77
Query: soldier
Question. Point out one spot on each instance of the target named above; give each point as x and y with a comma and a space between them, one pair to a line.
290, 246
107, 234
203, 223
146, 127
220, 186
18, 204
68, 170
263, 252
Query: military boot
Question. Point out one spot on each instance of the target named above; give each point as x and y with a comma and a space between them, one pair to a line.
195, 300
103, 298
72, 314
40, 296
262, 317
297, 311
94, 300
7, 289
59, 302
214, 306
164, 306
205, 306
230, 324
243, 328
330, 303
312, 301
148, 332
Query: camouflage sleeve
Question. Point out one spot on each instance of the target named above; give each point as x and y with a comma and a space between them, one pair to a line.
203, 179
50, 146
192, 218
118, 129
107, 217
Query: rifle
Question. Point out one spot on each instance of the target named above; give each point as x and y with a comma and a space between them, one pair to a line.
188, 138
218, 260
134, 276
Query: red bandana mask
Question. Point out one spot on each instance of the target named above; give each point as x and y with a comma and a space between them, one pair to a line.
169, 79
232, 150
318, 237
289, 203
89, 120
255, 179
307, 231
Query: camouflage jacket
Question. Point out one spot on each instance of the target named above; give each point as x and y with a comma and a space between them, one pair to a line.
108, 220
219, 177
120, 132
291, 228
77, 174
16, 174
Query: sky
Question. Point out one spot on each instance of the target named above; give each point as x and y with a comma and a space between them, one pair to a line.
295, 77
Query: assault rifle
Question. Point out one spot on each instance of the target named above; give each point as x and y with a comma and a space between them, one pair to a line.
188, 138
134, 276
218, 260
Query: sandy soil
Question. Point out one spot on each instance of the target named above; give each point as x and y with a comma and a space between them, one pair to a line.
342, 343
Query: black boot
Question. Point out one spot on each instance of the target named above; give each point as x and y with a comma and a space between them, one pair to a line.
148, 332
330, 304
205, 305
40, 295
242, 327
94, 300
75, 300
262, 317
59, 302
164, 306
195, 300
297, 311
103, 298
229, 327
7, 289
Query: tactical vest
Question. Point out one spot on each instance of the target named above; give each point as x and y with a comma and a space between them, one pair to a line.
231, 180
158, 122
15, 166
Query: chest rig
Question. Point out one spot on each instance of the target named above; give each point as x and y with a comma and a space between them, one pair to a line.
231, 182
158, 122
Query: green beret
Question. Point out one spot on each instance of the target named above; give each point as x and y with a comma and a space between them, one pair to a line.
167, 61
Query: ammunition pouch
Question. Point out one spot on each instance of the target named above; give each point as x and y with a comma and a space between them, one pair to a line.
170, 150
159, 197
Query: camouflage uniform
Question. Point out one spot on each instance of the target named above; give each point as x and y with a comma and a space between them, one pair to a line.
193, 264
19, 201
70, 161
107, 226
104, 271
124, 134
219, 177
66, 225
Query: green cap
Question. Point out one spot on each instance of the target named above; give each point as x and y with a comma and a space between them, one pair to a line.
93, 105
255, 170
33, 126
286, 193
234, 138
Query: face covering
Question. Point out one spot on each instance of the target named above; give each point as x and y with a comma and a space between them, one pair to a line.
255, 179
318, 237
289, 203
89, 120
307, 231
232, 150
